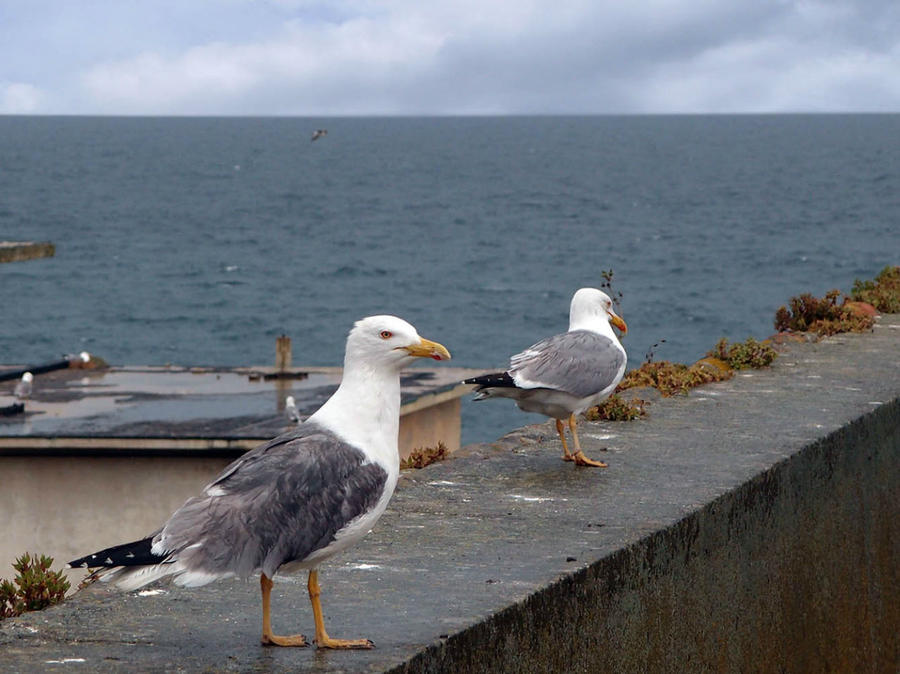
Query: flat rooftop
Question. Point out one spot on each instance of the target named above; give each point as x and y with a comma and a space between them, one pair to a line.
177, 403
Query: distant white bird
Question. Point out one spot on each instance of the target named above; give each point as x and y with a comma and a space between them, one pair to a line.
79, 361
564, 375
298, 499
24, 386
290, 408
318, 133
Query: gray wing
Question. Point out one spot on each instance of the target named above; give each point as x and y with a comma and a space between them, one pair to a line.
276, 504
579, 362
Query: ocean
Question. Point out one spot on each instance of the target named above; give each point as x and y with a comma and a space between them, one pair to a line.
197, 241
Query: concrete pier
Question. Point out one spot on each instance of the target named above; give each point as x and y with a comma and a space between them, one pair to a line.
750, 526
17, 251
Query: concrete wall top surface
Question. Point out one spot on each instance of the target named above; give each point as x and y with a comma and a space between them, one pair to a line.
469, 542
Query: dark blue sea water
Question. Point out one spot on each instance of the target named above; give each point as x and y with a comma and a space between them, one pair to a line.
197, 241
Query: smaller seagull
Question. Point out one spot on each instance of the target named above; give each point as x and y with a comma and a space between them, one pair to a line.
24, 386
564, 375
318, 133
290, 408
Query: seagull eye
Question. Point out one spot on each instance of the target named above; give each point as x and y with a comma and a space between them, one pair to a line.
386, 334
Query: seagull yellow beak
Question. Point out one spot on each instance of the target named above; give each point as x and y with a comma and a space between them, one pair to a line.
427, 349
617, 321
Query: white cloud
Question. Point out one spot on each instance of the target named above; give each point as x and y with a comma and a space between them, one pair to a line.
19, 98
820, 57
303, 69
471, 56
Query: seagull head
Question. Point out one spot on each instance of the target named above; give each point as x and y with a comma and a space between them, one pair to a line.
589, 305
391, 342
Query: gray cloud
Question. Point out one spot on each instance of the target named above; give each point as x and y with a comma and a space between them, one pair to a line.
409, 57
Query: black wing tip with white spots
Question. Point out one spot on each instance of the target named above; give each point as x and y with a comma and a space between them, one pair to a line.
136, 553
492, 380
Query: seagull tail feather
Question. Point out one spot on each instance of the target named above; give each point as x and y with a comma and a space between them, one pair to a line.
130, 565
136, 553
486, 382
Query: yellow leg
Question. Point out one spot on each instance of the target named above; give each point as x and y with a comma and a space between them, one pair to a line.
322, 638
562, 438
269, 639
579, 457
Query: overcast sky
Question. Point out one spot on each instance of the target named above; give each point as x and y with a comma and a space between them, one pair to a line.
361, 57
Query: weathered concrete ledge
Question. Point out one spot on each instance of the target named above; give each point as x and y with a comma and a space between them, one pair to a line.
750, 526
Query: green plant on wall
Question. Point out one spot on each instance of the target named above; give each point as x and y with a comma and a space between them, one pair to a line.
742, 355
883, 293
425, 456
34, 587
616, 408
823, 316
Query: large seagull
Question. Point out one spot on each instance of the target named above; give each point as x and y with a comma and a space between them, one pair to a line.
564, 375
294, 501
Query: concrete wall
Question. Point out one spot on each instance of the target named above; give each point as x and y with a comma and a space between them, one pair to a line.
66, 506
795, 571
429, 425
751, 526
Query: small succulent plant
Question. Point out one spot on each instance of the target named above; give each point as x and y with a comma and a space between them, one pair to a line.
35, 586
672, 378
823, 316
425, 456
883, 293
616, 408
744, 355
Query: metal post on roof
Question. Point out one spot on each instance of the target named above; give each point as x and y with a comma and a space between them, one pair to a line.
283, 353
282, 365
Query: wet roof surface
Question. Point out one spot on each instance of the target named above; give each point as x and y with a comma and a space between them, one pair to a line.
178, 402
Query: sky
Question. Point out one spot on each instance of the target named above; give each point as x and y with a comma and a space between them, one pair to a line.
469, 57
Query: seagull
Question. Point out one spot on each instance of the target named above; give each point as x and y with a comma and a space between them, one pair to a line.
290, 408
564, 375
292, 502
80, 361
24, 386
318, 133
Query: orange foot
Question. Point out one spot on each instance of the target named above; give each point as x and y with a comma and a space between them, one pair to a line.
328, 642
293, 640
581, 460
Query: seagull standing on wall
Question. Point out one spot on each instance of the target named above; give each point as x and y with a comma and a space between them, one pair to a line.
24, 386
294, 501
290, 409
564, 375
